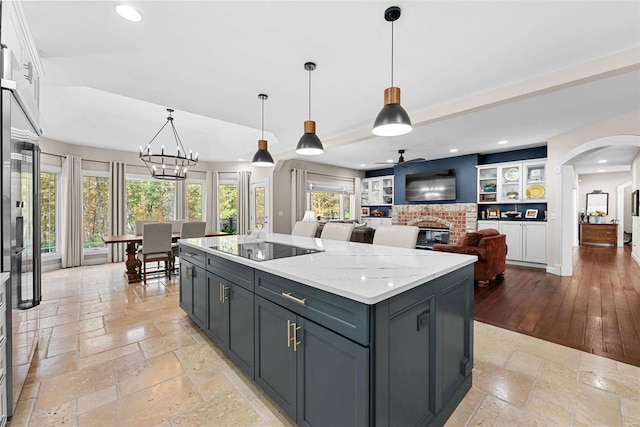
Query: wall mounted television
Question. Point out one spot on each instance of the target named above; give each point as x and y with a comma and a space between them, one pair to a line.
431, 186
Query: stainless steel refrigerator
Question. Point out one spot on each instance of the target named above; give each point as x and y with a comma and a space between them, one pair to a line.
20, 179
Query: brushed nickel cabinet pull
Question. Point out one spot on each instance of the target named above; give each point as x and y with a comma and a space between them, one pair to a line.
289, 333
288, 295
295, 337
220, 292
224, 293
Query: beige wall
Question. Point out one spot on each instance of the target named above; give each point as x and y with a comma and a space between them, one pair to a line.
560, 150
281, 206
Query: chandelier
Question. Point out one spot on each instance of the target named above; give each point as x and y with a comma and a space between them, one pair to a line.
168, 165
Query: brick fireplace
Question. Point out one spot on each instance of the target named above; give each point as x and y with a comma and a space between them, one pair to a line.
458, 218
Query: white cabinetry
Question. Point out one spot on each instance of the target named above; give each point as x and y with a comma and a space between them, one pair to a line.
26, 67
526, 240
377, 191
375, 222
513, 182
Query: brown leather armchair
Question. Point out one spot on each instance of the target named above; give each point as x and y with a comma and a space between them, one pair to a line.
489, 246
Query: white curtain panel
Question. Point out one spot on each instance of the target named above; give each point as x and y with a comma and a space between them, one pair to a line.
298, 195
71, 223
243, 201
358, 196
117, 218
181, 199
211, 201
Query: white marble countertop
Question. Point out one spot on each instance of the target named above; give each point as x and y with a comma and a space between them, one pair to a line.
358, 271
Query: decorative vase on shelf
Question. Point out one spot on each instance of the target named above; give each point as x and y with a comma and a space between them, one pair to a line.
598, 219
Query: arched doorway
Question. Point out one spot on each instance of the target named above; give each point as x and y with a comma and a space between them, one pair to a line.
568, 222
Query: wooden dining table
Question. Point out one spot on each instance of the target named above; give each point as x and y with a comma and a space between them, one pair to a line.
133, 240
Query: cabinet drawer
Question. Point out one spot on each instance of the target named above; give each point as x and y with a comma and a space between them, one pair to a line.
237, 273
342, 315
194, 256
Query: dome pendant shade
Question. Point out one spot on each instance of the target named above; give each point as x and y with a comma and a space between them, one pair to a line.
309, 144
262, 158
392, 120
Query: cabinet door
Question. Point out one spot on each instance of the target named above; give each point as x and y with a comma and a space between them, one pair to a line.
186, 287
240, 318
275, 369
510, 183
485, 225
513, 230
217, 327
333, 378
199, 283
535, 242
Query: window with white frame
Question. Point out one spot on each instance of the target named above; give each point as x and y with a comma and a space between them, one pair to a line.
95, 208
149, 199
228, 203
195, 200
331, 198
49, 208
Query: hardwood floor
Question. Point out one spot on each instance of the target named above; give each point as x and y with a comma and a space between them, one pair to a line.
597, 310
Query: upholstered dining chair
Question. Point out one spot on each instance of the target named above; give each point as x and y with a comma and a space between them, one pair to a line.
305, 228
188, 230
176, 225
400, 236
337, 231
141, 222
156, 247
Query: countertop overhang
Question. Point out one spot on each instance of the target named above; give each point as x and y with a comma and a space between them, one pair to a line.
359, 271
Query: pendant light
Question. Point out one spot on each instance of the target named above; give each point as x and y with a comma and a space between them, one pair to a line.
171, 167
309, 144
262, 157
392, 120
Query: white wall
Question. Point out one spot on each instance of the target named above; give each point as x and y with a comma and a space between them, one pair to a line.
608, 183
635, 179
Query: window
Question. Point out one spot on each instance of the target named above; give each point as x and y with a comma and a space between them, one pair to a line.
331, 198
195, 201
149, 199
95, 210
48, 210
228, 206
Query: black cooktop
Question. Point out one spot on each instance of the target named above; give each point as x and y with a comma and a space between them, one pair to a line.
262, 251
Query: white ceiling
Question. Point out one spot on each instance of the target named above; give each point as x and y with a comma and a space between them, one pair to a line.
108, 81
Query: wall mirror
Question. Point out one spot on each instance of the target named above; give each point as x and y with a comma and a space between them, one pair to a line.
597, 201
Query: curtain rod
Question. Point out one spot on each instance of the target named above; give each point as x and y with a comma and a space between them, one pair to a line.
55, 155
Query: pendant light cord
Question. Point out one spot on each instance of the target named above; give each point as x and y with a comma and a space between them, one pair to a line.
262, 118
391, 53
309, 94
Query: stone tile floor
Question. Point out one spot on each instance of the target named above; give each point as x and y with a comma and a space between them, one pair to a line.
118, 354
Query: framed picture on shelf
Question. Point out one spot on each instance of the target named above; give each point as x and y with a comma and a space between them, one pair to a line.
364, 211
635, 202
493, 213
531, 213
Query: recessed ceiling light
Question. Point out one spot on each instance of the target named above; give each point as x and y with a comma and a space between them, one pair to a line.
502, 142
453, 150
128, 13
241, 160
601, 170
362, 165
602, 161
389, 160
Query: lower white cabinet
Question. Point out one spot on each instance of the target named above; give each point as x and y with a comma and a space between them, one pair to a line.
526, 240
375, 222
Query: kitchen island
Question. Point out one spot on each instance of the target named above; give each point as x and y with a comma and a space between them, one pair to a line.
343, 334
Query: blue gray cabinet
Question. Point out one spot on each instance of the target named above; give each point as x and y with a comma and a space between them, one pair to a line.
193, 292
230, 321
302, 365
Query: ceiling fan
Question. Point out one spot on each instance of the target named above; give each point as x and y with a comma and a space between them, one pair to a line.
401, 161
